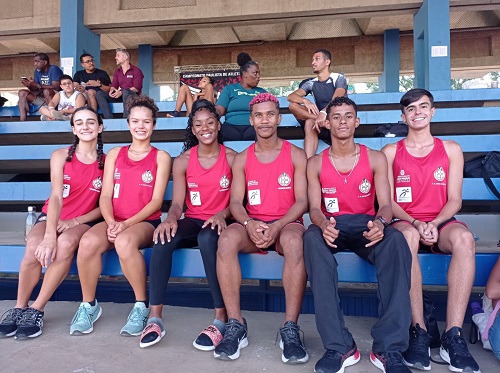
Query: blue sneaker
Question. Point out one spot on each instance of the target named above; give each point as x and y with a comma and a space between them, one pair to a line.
137, 320
84, 319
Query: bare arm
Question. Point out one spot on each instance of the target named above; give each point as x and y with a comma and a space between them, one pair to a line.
106, 198
493, 284
238, 188
297, 96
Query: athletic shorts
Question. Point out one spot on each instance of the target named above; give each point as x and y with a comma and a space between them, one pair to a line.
433, 248
43, 217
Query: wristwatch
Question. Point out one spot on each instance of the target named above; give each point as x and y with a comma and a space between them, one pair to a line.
383, 221
245, 223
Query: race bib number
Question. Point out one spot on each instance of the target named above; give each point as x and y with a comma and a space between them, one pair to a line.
195, 198
403, 195
332, 204
254, 197
66, 188
116, 192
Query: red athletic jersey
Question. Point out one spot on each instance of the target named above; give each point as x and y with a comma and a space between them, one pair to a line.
134, 183
357, 196
420, 183
208, 190
81, 188
270, 186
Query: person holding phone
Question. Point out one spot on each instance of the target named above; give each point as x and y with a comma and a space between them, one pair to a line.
41, 88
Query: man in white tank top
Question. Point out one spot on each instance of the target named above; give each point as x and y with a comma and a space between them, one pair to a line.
66, 101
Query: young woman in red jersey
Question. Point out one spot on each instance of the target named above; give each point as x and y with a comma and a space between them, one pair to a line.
202, 180
76, 179
135, 179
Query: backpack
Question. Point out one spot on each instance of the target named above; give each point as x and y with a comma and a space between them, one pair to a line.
484, 166
399, 129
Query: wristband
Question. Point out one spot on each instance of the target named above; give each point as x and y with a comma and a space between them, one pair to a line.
412, 223
323, 111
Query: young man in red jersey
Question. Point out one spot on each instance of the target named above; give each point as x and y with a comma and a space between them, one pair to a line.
426, 176
271, 173
343, 182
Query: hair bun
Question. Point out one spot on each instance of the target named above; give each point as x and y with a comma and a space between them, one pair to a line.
243, 58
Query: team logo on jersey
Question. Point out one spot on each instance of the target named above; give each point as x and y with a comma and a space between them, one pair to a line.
402, 172
97, 183
365, 186
284, 180
147, 177
224, 182
402, 178
439, 174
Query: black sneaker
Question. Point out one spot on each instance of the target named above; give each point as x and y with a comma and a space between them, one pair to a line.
235, 338
335, 362
389, 362
10, 320
293, 348
173, 114
30, 325
417, 355
455, 352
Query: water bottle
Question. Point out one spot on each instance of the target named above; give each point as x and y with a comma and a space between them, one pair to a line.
30, 220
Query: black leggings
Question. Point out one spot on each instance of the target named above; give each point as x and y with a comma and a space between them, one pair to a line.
189, 234
231, 132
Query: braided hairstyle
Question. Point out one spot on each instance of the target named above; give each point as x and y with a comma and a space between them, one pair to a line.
244, 61
198, 105
76, 140
142, 101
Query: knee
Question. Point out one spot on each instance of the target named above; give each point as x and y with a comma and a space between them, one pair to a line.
65, 249
101, 94
412, 238
29, 255
293, 247
226, 246
207, 239
464, 241
293, 107
48, 93
91, 93
88, 246
23, 93
124, 249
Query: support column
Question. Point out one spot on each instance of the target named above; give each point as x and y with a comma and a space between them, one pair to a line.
76, 38
145, 62
431, 40
389, 80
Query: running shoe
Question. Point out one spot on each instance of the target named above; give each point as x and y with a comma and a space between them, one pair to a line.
10, 320
294, 351
235, 338
137, 320
84, 319
30, 325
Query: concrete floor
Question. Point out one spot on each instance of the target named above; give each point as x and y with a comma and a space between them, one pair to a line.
105, 350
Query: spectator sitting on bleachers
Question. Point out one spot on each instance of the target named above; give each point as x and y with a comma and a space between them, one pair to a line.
492, 331
134, 184
91, 80
76, 179
426, 175
235, 98
324, 88
3, 100
127, 81
41, 88
207, 92
66, 101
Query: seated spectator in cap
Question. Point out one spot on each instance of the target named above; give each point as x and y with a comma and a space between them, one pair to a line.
91, 80
41, 88
127, 81
66, 101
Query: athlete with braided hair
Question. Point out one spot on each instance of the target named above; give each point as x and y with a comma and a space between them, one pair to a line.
76, 178
202, 180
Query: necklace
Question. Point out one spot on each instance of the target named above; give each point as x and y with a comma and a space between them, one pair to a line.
138, 153
356, 158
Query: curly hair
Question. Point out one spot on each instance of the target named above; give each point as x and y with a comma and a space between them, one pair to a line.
76, 140
142, 101
264, 97
339, 101
199, 105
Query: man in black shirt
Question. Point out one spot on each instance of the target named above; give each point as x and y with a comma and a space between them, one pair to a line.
90, 80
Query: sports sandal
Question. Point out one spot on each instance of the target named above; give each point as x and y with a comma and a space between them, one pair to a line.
208, 339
